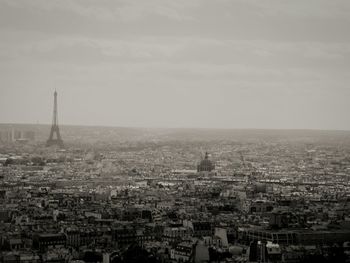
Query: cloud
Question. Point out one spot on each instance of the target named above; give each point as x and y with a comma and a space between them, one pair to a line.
236, 19
180, 56
260, 53
126, 10
174, 10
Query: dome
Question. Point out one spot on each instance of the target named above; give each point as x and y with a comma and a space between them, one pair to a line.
206, 165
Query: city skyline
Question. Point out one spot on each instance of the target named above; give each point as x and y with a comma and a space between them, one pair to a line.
174, 131
182, 64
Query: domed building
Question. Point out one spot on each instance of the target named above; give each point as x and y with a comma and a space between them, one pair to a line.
206, 165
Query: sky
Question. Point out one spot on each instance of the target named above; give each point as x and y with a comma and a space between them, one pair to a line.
269, 64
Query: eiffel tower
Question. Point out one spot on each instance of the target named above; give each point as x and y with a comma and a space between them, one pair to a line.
54, 128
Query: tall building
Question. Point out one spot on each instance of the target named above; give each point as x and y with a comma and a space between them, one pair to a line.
13, 135
6, 135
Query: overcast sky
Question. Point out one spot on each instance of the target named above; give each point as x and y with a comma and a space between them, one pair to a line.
177, 63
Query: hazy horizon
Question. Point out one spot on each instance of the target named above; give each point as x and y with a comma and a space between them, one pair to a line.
240, 64
173, 128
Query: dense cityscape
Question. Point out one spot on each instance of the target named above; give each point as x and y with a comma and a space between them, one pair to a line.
180, 195
174, 131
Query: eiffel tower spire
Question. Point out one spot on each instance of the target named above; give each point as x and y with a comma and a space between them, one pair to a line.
54, 128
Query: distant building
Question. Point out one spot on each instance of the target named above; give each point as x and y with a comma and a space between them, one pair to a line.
6, 136
293, 236
206, 165
264, 252
261, 206
12, 135
183, 252
129, 235
44, 241
175, 234
73, 237
199, 228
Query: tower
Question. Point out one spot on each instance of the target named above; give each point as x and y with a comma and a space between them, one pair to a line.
54, 128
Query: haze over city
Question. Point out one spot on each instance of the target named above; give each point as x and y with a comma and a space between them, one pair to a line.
210, 64
174, 131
